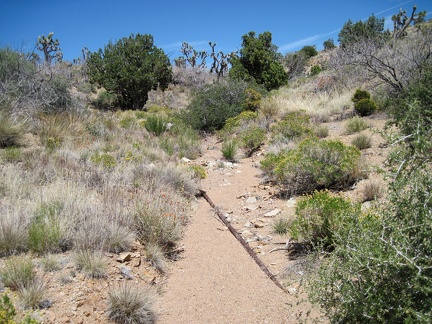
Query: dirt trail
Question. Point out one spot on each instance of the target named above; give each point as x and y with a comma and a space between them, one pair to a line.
216, 281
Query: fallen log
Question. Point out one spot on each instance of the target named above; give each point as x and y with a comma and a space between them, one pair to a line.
239, 238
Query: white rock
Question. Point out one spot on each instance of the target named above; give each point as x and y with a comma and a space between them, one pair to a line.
273, 213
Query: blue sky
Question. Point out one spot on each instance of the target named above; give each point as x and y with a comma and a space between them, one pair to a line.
92, 23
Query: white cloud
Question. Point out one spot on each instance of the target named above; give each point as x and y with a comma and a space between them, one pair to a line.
299, 43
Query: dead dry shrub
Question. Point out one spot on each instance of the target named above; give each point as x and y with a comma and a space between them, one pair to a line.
129, 303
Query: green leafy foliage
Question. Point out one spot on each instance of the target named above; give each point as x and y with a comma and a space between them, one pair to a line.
380, 268
315, 70
314, 165
318, 216
360, 94
309, 51
8, 312
371, 30
258, 60
155, 124
294, 126
212, 105
365, 107
130, 68
329, 44
252, 138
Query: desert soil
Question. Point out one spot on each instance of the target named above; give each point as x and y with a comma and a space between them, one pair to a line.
215, 280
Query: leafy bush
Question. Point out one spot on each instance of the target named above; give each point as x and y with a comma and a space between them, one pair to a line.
8, 312
253, 99
258, 62
229, 150
294, 126
212, 105
355, 125
365, 107
315, 70
130, 68
309, 51
360, 94
243, 118
252, 138
198, 171
105, 159
318, 216
129, 303
315, 164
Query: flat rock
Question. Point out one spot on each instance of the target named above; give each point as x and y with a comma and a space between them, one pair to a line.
124, 256
251, 200
273, 213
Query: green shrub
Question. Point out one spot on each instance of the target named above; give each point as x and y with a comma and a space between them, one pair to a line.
355, 125
229, 150
155, 124
8, 312
198, 171
45, 233
241, 119
18, 271
129, 303
294, 126
360, 94
252, 138
362, 141
365, 107
315, 164
105, 159
253, 100
212, 105
315, 70
318, 216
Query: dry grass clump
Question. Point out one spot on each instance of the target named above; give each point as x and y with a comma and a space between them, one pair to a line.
320, 106
156, 256
362, 141
92, 263
34, 295
373, 190
129, 303
18, 271
355, 125
160, 218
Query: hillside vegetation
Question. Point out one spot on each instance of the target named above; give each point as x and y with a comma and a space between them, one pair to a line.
92, 161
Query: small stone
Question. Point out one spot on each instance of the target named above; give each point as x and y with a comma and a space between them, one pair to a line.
259, 224
248, 225
292, 290
251, 201
250, 207
124, 256
185, 160
273, 213
291, 202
